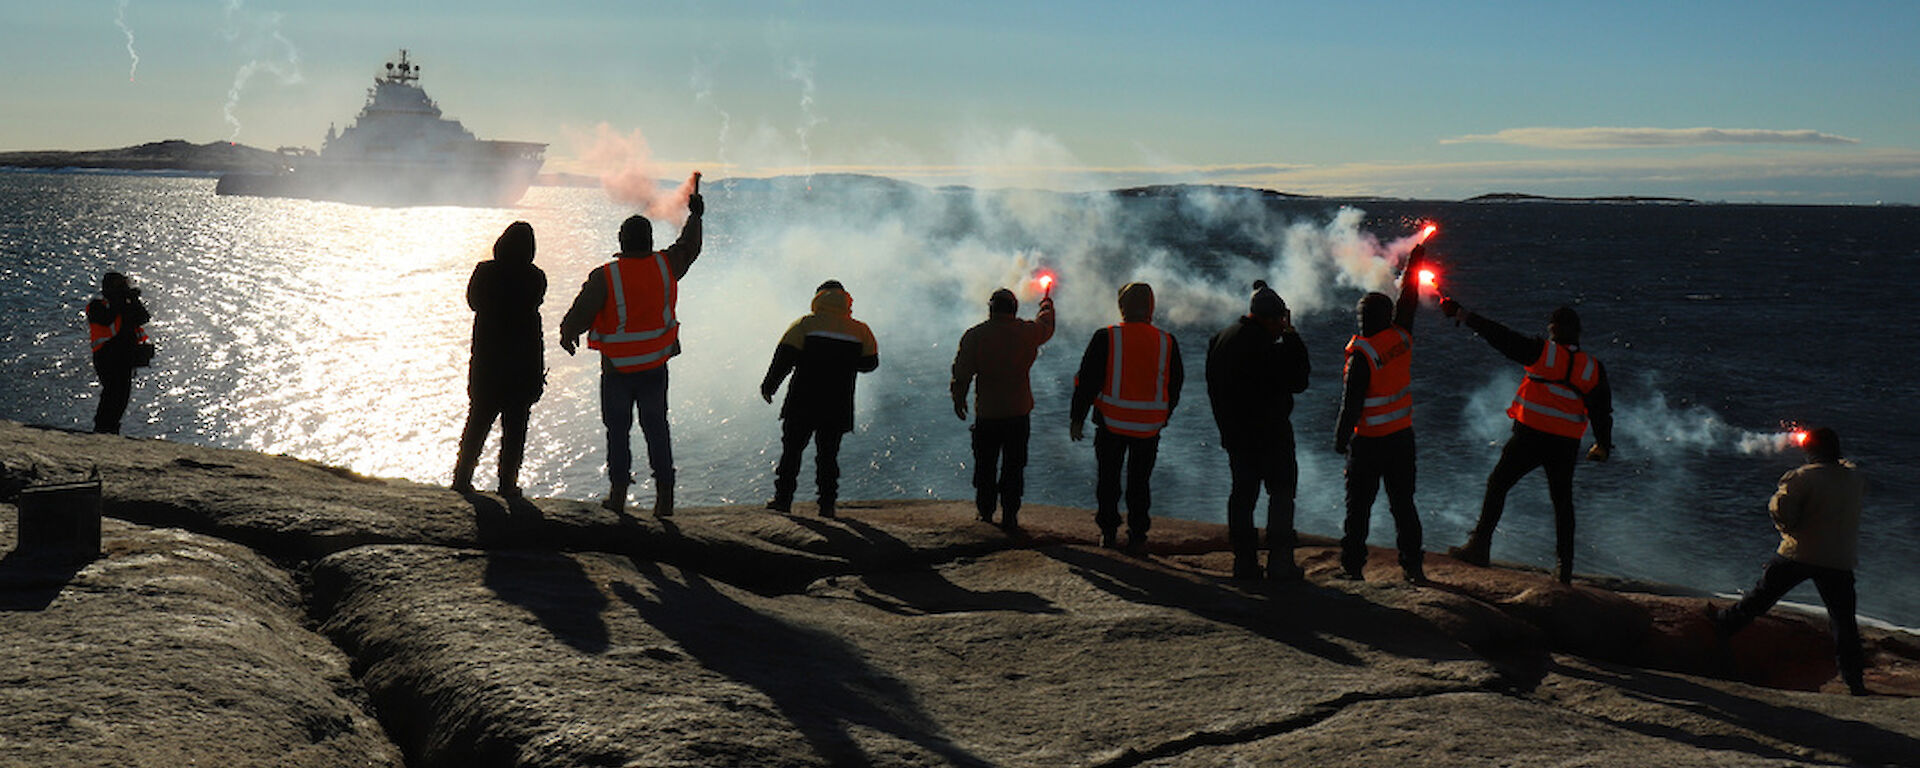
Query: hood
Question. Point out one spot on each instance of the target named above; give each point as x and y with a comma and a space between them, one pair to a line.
515, 245
832, 301
1136, 303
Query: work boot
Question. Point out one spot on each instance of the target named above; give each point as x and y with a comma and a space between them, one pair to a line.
780, 504
616, 501
463, 476
1109, 538
1477, 551
983, 505
1563, 571
1246, 569
511, 492
826, 508
1010, 521
1281, 569
1414, 570
1136, 544
663, 500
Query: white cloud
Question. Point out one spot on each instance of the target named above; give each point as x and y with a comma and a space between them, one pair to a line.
1629, 138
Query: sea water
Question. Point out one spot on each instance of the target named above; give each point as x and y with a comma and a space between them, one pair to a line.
340, 333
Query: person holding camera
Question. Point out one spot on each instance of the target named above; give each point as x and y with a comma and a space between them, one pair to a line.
1254, 368
116, 326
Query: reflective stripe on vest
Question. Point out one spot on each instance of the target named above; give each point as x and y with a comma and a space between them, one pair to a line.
1551, 396
1133, 399
632, 338
1388, 405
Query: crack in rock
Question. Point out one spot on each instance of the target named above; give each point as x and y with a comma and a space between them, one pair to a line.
1313, 716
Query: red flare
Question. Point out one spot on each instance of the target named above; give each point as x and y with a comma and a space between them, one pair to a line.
1045, 281
1428, 232
1799, 437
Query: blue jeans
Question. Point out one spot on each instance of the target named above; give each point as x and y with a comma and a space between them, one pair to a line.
621, 394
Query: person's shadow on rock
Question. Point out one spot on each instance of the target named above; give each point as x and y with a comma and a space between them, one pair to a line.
1297, 615
552, 586
817, 681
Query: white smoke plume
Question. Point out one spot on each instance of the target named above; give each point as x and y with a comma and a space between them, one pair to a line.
801, 71
702, 84
120, 20
267, 49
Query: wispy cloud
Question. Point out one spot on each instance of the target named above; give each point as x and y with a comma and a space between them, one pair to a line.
1629, 138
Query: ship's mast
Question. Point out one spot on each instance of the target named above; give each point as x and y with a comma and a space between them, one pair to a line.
402, 72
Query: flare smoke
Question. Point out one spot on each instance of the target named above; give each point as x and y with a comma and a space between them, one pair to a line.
120, 20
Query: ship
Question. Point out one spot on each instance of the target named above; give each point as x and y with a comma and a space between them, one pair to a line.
399, 151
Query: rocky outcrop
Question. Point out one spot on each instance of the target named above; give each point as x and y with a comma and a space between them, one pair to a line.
253, 609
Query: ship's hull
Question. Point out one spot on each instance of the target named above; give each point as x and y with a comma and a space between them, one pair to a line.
390, 184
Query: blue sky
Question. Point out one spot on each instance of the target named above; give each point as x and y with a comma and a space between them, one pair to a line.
1766, 101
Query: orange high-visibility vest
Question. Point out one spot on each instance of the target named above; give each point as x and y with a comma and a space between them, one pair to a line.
1388, 407
1550, 397
99, 334
1133, 400
636, 328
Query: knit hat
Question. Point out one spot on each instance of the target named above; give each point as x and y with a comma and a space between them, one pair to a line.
1265, 302
1136, 302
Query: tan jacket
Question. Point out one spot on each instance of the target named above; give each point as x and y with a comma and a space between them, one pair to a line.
1817, 510
1000, 354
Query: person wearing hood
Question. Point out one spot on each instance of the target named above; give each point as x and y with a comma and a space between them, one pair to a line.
629, 306
506, 372
116, 328
1564, 390
1254, 368
1000, 353
1375, 427
1817, 511
1130, 377
824, 350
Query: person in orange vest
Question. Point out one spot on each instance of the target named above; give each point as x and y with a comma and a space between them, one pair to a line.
1130, 376
628, 304
825, 351
1564, 390
116, 328
1375, 428
1000, 352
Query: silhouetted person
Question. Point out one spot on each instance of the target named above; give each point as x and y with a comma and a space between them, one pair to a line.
506, 372
1375, 429
1254, 368
629, 306
825, 351
1130, 376
1000, 353
1817, 510
1564, 389
116, 327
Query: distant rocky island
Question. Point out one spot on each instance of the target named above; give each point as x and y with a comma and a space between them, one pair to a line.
214, 157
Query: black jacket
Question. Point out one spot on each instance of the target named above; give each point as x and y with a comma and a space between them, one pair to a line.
507, 366
824, 351
1251, 380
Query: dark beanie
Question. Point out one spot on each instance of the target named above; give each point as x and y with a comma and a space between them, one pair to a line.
636, 236
1003, 302
1823, 443
515, 245
1265, 303
830, 285
1568, 321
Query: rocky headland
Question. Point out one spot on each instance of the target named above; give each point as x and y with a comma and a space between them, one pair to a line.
261, 610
